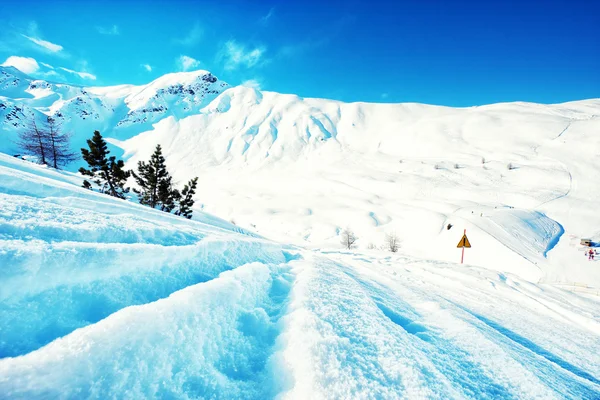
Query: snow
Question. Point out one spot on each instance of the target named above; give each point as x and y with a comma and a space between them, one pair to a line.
140, 98
104, 298
301, 170
119, 111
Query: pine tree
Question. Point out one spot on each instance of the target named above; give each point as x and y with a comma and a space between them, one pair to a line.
153, 179
108, 173
167, 195
186, 200
34, 140
60, 153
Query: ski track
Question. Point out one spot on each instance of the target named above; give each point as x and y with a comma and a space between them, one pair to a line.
328, 326
495, 361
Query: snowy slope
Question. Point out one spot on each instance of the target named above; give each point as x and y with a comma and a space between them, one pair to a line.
304, 169
301, 170
103, 298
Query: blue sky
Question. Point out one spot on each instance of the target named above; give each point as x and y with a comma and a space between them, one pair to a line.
456, 53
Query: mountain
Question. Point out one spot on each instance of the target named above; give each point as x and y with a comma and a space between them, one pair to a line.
118, 111
520, 177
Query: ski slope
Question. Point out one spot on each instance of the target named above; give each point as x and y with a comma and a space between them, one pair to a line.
300, 170
520, 177
104, 298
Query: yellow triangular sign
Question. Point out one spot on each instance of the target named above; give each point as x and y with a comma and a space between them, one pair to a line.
464, 242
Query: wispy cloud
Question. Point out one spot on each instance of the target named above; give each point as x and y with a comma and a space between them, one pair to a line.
192, 37
82, 75
147, 67
53, 47
264, 20
236, 55
253, 83
110, 30
27, 65
185, 63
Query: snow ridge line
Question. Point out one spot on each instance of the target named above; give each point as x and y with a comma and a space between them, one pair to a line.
76, 284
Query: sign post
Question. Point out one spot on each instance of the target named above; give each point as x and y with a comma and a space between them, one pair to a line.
464, 242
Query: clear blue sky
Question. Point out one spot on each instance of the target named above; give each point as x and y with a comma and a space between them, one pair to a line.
455, 53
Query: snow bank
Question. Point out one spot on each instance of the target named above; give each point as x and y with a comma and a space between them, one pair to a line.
208, 340
71, 257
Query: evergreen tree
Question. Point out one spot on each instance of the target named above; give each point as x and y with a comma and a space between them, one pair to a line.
153, 179
108, 173
186, 200
60, 153
167, 196
156, 187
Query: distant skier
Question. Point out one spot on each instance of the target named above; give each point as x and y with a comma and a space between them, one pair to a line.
591, 254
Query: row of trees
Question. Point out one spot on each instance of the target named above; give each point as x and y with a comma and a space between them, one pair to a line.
46, 141
155, 183
391, 241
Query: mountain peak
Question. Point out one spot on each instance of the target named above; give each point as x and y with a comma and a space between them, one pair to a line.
187, 89
184, 78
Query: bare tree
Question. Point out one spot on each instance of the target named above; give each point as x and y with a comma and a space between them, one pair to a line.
34, 141
348, 238
391, 242
45, 141
60, 153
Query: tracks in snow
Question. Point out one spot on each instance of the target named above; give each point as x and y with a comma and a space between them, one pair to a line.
389, 330
344, 326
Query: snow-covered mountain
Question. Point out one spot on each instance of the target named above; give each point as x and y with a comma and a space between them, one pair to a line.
301, 170
104, 298
118, 111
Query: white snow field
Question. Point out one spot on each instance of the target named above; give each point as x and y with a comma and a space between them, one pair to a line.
255, 297
302, 170
104, 298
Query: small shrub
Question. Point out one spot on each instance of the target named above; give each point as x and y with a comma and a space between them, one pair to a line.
348, 238
391, 242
